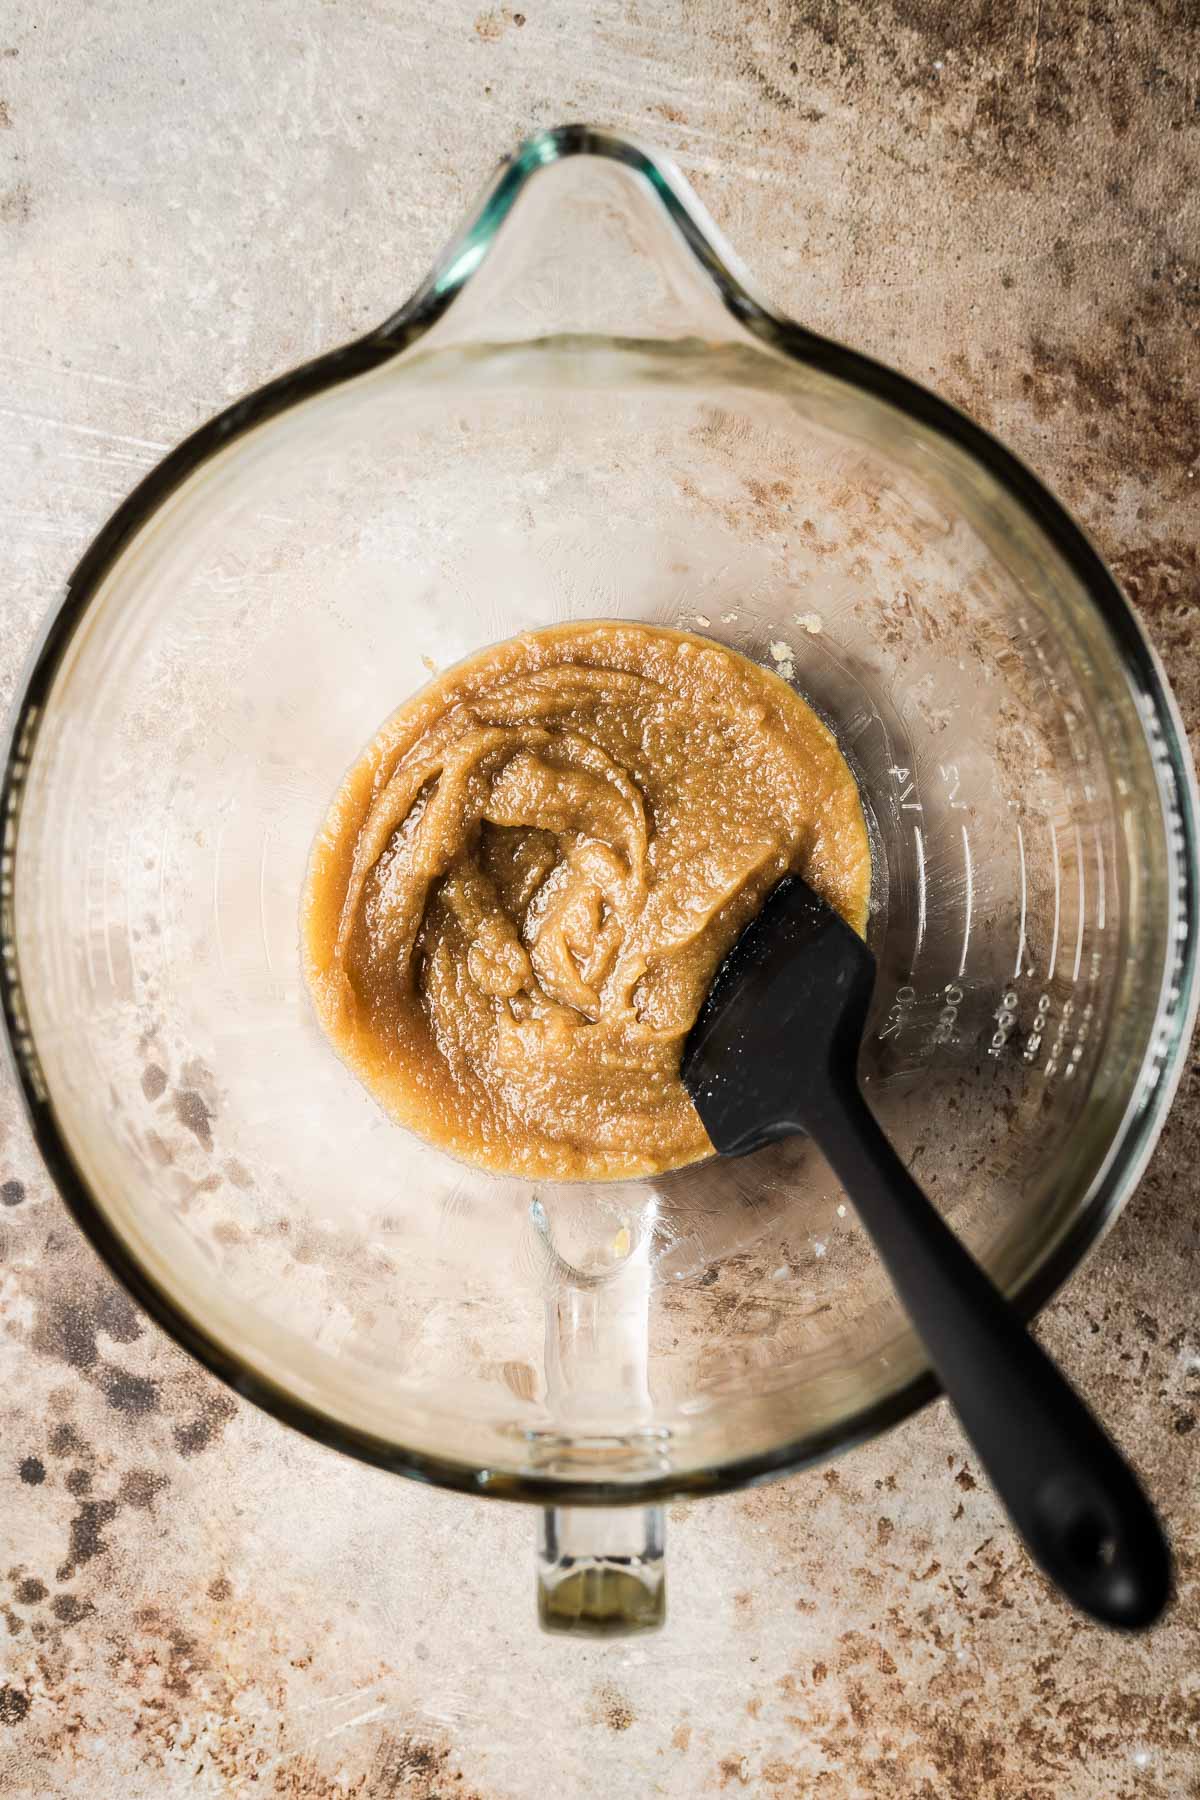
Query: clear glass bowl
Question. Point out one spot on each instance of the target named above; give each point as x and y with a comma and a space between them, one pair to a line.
585, 413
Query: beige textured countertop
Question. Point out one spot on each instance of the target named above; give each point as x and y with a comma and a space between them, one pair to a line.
193, 1600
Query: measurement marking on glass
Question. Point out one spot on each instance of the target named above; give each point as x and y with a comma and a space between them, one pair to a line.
1100, 874
949, 774
906, 785
1057, 900
1024, 899
920, 844
969, 876
1082, 904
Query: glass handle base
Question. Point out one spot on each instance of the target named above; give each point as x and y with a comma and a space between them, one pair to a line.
600, 1570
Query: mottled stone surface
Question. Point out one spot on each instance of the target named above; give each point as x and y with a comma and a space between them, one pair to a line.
193, 1600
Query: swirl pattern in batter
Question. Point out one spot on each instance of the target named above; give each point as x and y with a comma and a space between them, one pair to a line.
526, 884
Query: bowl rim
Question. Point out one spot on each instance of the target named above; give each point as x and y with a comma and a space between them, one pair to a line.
1163, 1058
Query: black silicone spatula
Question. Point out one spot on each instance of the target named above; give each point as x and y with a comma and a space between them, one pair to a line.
774, 1052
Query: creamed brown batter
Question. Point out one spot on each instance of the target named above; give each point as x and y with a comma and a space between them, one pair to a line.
525, 886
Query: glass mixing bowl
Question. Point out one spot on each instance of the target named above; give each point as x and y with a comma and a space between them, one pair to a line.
585, 413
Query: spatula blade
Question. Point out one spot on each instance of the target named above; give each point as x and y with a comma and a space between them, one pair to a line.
789, 1000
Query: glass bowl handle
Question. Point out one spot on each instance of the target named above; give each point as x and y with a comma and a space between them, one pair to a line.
600, 1569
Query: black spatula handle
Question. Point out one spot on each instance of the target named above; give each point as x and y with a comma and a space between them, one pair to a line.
1071, 1494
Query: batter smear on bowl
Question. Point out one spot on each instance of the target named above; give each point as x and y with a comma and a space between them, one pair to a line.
522, 891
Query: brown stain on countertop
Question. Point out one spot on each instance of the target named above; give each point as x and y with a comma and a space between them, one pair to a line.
611, 1708
1002, 203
